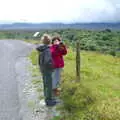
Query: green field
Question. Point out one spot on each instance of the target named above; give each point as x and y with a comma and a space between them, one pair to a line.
97, 95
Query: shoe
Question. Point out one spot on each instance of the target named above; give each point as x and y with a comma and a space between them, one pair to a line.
57, 91
51, 102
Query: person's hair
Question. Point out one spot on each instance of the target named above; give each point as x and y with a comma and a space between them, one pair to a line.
45, 36
55, 38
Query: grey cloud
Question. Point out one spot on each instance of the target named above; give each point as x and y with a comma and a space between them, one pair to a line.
109, 14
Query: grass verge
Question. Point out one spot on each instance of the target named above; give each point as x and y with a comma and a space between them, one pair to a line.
97, 95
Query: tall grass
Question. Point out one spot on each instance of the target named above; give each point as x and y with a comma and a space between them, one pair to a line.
97, 95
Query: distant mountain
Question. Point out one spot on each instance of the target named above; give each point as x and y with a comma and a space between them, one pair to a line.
33, 26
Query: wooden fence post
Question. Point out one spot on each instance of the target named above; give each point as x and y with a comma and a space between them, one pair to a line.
78, 61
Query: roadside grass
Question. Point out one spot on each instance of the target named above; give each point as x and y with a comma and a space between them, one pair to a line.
34, 57
97, 95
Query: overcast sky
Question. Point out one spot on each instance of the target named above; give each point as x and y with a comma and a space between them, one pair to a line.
60, 10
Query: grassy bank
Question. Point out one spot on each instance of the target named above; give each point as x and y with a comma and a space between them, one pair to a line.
97, 95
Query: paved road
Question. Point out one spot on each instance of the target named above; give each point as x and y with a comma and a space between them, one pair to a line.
16, 89
10, 51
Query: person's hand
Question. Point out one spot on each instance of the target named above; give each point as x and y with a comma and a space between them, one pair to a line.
61, 45
35, 45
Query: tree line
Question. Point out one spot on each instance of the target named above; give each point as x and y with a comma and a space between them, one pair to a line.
105, 41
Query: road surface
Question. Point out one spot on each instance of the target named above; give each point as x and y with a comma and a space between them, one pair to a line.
10, 52
16, 89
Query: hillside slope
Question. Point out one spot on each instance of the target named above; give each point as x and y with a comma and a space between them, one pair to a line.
97, 96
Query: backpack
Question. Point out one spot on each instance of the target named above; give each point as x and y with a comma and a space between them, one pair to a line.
45, 58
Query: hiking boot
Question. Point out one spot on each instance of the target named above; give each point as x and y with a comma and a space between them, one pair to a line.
51, 102
57, 91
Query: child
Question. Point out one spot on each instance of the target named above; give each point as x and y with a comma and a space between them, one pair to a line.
46, 68
58, 50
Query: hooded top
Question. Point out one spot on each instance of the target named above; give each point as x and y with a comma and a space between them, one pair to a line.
45, 58
57, 55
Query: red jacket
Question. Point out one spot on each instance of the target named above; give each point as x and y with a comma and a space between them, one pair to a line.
57, 55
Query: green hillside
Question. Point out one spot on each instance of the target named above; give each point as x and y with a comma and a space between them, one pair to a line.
97, 95
106, 41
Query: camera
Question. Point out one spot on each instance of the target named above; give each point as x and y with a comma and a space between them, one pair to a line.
61, 43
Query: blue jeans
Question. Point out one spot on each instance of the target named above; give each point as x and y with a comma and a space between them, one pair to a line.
47, 82
56, 75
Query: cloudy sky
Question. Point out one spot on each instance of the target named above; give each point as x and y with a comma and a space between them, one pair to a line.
60, 11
